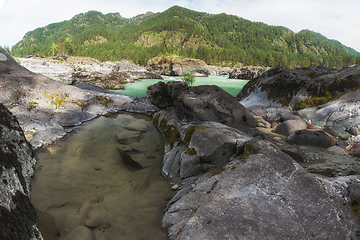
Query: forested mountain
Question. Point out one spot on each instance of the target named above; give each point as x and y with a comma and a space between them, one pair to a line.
214, 38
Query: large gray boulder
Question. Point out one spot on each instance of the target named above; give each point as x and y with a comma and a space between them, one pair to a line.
312, 137
290, 126
17, 215
265, 195
212, 144
211, 103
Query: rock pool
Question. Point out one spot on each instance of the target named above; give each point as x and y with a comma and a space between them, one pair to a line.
82, 180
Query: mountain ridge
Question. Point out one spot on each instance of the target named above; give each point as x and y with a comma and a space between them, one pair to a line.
214, 38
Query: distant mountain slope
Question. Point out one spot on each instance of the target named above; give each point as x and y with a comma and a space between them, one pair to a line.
214, 38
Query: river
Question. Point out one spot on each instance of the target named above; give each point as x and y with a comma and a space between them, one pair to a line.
139, 87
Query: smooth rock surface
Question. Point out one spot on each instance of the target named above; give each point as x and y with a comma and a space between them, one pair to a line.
211, 103
268, 196
289, 126
312, 137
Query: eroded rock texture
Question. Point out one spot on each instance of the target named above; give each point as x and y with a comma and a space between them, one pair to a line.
17, 214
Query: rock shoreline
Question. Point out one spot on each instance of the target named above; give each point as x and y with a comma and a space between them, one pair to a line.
234, 180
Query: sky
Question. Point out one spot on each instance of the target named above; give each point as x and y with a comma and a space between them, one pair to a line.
334, 19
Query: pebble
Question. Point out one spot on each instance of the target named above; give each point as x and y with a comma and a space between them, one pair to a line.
277, 139
175, 187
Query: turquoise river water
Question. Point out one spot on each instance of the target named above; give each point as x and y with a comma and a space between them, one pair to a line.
139, 88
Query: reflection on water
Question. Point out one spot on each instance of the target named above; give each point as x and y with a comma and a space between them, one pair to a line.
139, 88
82, 180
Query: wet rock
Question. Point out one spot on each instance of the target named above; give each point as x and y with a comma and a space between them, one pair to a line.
312, 137
80, 233
354, 149
269, 186
211, 103
17, 215
128, 136
289, 126
129, 161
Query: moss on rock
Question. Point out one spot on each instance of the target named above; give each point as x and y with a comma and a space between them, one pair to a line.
170, 133
189, 132
355, 207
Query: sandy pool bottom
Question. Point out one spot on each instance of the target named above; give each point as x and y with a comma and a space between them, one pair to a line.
82, 180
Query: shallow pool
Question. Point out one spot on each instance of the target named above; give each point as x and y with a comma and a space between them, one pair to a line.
139, 87
82, 180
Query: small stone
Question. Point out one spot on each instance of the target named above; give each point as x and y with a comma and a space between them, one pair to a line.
277, 139
175, 187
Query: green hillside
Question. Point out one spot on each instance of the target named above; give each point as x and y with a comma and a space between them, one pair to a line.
214, 38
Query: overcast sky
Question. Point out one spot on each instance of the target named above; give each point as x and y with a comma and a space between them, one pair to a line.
338, 20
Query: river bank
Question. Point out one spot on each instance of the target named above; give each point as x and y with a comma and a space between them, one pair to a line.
230, 179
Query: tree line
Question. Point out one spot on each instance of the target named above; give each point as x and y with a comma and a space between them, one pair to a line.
217, 39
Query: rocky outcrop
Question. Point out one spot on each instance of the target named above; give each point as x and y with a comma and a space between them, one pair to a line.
176, 66
334, 93
111, 75
266, 195
233, 184
107, 75
248, 73
44, 107
204, 103
17, 215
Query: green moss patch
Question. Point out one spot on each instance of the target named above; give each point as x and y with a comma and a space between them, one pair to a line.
191, 151
250, 148
58, 100
156, 119
189, 132
355, 206
103, 100
170, 133
215, 170
316, 101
